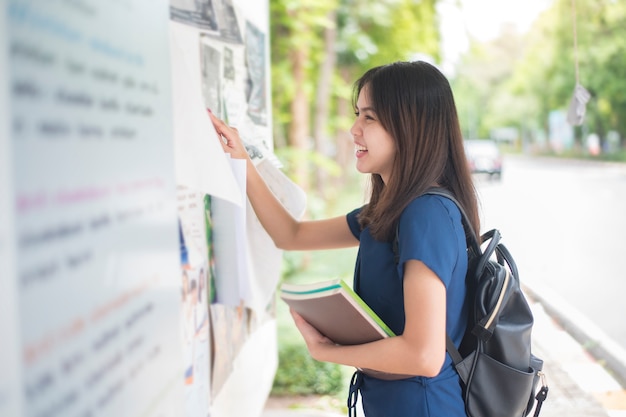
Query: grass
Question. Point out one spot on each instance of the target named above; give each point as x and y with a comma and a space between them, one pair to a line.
574, 153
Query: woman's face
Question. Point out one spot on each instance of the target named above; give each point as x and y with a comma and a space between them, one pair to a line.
375, 149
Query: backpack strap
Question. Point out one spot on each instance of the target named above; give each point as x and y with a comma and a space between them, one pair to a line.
471, 239
470, 234
452, 350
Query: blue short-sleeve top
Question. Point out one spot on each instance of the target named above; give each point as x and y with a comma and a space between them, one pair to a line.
430, 230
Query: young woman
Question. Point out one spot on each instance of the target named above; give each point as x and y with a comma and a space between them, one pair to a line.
407, 136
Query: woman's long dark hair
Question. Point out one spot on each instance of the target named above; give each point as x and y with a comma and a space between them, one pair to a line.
415, 105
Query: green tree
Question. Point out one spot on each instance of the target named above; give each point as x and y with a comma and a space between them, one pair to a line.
318, 48
296, 28
515, 81
592, 34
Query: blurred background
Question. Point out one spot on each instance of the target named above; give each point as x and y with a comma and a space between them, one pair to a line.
552, 183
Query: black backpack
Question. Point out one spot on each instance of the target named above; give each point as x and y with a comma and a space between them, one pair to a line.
499, 372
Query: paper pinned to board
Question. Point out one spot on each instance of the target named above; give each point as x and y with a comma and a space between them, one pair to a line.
230, 242
264, 257
201, 163
578, 106
291, 196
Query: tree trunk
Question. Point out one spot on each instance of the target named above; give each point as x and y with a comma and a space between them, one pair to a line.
322, 98
344, 143
299, 127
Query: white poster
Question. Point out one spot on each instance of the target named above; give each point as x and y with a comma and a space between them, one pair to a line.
96, 242
232, 270
10, 376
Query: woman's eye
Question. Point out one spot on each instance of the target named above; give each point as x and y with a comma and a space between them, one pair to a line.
365, 116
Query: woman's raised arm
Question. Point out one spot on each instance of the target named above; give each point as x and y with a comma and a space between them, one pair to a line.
286, 232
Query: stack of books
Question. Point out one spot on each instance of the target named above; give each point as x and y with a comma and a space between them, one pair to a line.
336, 311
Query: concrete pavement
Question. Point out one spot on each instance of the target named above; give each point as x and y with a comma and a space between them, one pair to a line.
580, 383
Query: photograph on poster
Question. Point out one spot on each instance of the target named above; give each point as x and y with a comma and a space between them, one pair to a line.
239, 75
227, 21
194, 323
229, 64
197, 13
196, 348
255, 61
217, 18
229, 332
211, 60
223, 70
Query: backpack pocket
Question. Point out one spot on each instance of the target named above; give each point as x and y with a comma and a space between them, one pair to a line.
496, 389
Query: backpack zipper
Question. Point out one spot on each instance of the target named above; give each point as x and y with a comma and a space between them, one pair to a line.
494, 313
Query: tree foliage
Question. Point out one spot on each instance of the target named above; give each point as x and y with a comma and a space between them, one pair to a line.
540, 73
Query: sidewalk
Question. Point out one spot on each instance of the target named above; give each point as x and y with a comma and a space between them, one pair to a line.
579, 386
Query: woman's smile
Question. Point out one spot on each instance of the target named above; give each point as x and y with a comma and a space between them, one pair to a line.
360, 150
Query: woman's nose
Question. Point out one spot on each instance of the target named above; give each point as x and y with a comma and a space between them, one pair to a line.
355, 128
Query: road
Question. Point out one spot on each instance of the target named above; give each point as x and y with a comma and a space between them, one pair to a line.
565, 223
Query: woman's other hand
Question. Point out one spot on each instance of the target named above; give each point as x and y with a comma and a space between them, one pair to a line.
316, 342
229, 138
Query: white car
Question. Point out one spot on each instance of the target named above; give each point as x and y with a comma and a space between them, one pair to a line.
484, 157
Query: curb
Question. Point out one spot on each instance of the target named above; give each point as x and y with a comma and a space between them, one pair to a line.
591, 338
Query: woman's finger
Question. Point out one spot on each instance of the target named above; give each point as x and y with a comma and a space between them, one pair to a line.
229, 137
217, 122
220, 129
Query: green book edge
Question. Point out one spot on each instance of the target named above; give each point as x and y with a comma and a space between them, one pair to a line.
367, 308
355, 297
